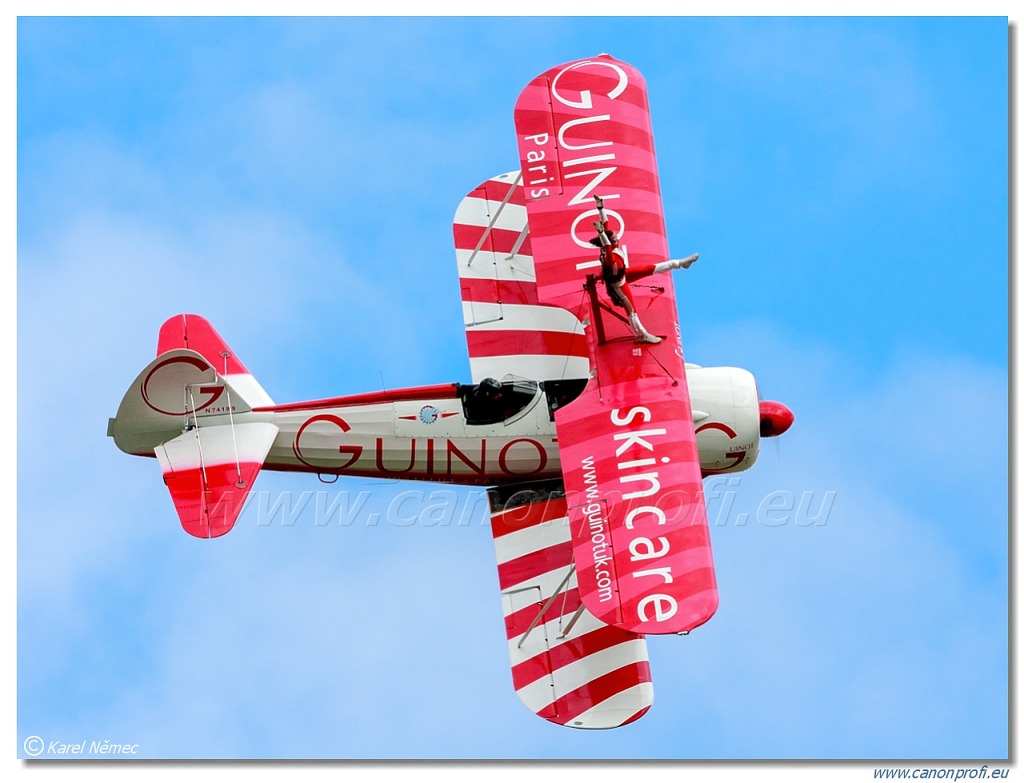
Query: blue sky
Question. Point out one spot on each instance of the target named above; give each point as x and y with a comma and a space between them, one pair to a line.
845, 182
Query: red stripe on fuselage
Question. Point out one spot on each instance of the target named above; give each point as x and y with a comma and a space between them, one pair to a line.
447, 391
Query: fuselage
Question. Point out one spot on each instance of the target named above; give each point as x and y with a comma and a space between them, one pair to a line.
415, 434
446, 433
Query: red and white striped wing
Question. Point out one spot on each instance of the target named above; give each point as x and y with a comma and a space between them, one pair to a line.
584, 130
567, 666
507, 330
627, 445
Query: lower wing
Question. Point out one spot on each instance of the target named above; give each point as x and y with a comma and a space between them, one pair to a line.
567, 666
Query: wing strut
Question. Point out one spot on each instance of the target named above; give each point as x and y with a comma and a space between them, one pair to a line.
551, 600
572, 621
494, 219
519, 242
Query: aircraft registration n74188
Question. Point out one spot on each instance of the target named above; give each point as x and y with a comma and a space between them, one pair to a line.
581, 418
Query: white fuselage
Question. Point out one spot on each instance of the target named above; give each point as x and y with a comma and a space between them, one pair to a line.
416, 435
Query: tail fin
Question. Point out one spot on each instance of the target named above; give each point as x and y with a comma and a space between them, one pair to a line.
198, 423
196, 334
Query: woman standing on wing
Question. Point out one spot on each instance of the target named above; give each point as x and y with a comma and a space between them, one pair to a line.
617, 276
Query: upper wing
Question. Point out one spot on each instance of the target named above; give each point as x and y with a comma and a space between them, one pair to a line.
567, 666
508, 330
627, 445
584, 130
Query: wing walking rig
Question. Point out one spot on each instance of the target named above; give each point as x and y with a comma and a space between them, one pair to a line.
582, 419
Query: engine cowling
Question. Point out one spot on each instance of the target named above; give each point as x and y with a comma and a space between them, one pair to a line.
726, 417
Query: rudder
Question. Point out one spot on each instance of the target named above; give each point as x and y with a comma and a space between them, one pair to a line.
195, 333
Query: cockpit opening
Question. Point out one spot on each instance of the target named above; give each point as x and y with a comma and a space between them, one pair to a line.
492, 402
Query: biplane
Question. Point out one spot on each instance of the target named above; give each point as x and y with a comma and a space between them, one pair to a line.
590, 432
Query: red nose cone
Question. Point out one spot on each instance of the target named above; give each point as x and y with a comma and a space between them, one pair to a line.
776, 418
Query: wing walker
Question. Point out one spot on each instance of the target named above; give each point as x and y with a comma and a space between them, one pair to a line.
617, 276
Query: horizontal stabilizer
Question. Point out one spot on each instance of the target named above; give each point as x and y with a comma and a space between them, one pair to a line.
210, 470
